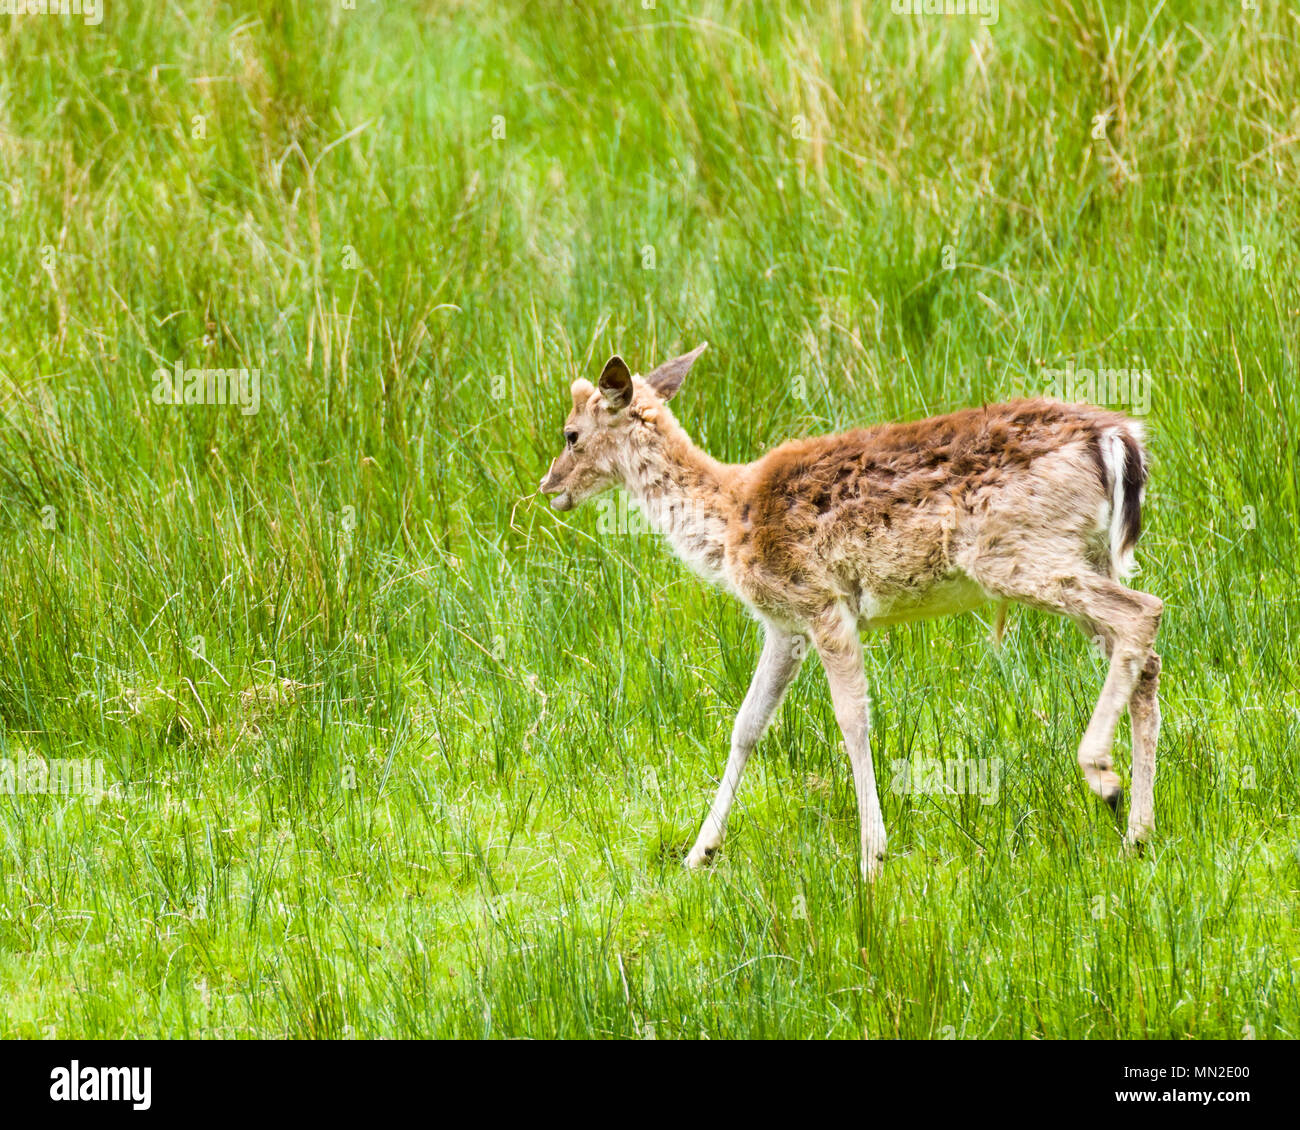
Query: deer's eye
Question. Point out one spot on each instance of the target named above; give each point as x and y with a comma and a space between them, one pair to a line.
570, 437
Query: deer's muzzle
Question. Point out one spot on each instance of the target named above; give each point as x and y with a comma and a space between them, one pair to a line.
553, 483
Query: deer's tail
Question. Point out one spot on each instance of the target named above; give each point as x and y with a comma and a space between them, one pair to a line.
1124, 464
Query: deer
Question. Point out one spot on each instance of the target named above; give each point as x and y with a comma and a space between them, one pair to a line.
1033, 501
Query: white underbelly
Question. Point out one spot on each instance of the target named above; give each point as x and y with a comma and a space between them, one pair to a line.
949, 597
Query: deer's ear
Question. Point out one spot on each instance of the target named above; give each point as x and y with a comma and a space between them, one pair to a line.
667, 379
616, 383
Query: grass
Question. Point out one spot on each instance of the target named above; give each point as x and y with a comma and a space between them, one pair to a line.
393, 749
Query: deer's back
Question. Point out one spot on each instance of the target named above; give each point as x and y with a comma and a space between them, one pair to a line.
884, 514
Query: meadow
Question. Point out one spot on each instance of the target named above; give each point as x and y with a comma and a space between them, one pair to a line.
390, 748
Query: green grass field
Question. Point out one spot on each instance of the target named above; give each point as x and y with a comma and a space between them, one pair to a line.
392, 749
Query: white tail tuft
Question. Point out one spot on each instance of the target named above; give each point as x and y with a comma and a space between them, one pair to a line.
1122, 457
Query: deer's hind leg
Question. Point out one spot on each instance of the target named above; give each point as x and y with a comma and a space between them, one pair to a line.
1124, 621
1144, 714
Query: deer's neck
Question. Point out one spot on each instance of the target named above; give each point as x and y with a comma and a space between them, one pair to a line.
682, 491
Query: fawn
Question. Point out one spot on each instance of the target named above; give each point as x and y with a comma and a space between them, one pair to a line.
1034, 501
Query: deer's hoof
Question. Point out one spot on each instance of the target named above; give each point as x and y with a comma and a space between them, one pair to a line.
1135, 842
699, 857
872, 867
1107, 786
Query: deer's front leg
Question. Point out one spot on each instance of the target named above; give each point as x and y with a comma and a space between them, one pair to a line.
840, 649
782, 656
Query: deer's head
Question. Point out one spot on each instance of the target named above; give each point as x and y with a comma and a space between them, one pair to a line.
608, 422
